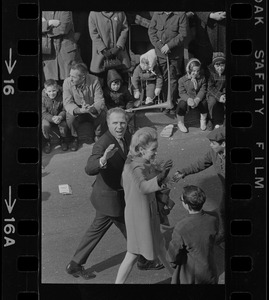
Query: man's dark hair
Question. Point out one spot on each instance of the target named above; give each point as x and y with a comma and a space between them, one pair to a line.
194, 197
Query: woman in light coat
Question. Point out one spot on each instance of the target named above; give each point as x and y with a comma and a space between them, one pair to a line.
109, 33
140, 182
58, 26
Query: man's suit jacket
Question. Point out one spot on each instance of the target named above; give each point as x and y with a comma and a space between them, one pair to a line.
107, 195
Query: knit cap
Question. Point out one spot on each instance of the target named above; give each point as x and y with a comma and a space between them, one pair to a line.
218, 134
218, 57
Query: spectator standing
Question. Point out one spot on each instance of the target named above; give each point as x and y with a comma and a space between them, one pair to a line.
191, 250
53, 114
192, 93
167, 31
59, 28
84, 102
210, 35
109, 32
82, 36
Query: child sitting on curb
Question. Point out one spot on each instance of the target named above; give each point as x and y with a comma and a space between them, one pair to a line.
192, 93
53, 114
147, 76
216, 93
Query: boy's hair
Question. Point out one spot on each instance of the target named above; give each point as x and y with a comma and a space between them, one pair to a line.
194, 197
142, 138
81, 67
50, 82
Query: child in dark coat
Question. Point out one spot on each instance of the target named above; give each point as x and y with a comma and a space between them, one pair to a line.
116, 94
192, 93
53, 113
191, 250
216, 92
147, 75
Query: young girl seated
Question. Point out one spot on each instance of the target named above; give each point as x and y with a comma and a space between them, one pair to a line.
192, 92
147, 76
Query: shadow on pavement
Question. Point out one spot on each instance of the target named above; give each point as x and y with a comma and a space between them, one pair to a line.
45, 196
108, 263
166, 281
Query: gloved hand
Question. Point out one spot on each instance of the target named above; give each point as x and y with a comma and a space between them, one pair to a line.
190, 102
114, 51
196, 102
166, 168
107, 53
93, 111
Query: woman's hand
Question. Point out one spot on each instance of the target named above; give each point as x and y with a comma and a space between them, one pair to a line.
177, 176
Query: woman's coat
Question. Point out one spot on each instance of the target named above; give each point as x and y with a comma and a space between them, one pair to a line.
107, 30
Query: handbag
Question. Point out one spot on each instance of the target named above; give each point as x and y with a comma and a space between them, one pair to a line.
163, 201
112, 63
46, 45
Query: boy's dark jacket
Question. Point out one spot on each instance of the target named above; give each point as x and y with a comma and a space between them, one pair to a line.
211, 158
216, 84
121, 98
52, 107
170, 30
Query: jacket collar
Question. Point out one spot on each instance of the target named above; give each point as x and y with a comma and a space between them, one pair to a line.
115, 141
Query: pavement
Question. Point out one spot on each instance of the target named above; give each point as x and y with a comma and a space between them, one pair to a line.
65, 218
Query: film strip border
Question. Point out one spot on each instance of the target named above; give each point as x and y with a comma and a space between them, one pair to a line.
246, 159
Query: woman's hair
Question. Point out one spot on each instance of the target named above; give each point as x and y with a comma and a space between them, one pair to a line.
142, 138
194, 197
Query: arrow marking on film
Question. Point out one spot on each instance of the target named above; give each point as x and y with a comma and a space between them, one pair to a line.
10, 66
9, 204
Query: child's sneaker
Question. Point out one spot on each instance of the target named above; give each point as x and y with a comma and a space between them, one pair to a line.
47, 148
149, 101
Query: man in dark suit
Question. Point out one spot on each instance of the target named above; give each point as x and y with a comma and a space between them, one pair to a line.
106, 161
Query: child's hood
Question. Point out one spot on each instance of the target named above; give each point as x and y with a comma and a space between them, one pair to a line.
151, 57
112, 75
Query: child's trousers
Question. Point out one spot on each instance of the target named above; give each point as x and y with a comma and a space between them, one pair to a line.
47, 126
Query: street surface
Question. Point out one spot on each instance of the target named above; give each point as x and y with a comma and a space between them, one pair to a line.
65, 218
